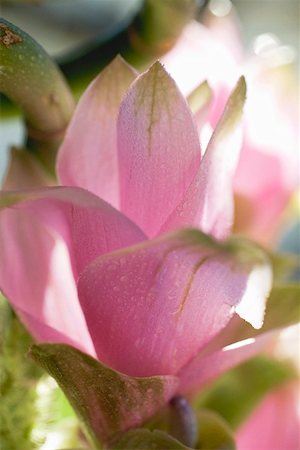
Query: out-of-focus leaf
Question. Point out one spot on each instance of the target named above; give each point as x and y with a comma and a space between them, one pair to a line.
157, 27
214, 432
18, 379
106, 401
284, 265
34, 82
142, 439
237, 393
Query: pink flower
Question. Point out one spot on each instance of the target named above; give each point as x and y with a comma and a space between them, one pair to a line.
275, 423
267, 173
77, 263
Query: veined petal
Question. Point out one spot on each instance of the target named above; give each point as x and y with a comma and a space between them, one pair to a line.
89, 225
88, 155
152, 307
208, 203
158, 148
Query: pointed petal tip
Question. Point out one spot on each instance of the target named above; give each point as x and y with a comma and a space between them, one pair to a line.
158, 68
237, 98
119, 61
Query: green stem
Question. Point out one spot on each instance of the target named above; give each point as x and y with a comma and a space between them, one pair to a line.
33, 81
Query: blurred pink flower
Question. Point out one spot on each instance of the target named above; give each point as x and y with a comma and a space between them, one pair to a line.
82, 271
267, 174
275, 423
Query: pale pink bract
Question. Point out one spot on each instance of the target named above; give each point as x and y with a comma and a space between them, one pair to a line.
87, 264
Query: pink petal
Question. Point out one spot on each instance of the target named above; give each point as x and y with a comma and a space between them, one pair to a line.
158, 148
204, 368
36, 277
208, 202
275, 424
151, 308
88, 155
90, 226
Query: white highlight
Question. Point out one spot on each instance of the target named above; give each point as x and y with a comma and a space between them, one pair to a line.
252, 306
268, 45
265, 42
205, 135
220, 8
239, 344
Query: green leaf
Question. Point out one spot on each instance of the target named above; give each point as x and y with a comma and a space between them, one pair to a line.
142, 439
214, 432
237, 393
106, 401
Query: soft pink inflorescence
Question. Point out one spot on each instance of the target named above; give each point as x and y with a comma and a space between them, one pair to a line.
267, 173
101, 263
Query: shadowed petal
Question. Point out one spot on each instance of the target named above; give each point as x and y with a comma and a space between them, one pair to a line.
158, 148
88, 155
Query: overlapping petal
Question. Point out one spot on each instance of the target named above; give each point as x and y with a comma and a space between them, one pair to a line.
152, 307
158, 147
208, 203
47, 236
88, 155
